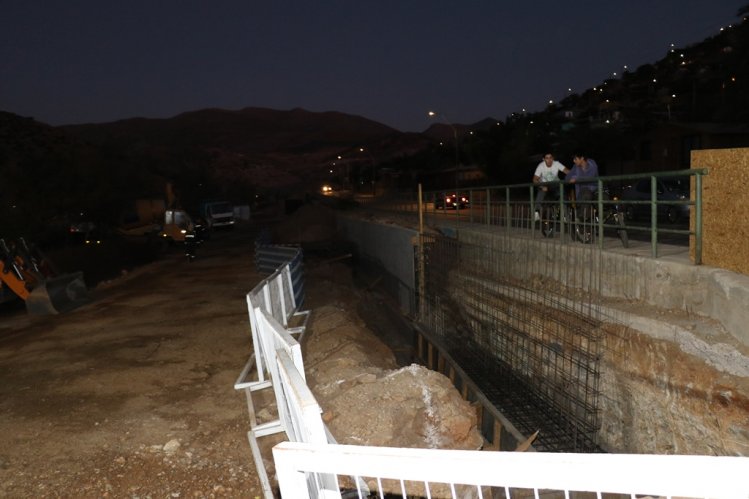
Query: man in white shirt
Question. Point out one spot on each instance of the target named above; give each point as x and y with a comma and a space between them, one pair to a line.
546, 171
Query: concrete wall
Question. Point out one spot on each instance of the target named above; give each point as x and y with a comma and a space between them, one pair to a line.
389, 245
725, 204
668, 283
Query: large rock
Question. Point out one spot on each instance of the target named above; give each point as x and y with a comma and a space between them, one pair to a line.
367, 401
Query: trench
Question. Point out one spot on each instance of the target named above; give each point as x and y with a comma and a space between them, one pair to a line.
523, 371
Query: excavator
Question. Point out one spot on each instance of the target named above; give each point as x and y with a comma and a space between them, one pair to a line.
25, 274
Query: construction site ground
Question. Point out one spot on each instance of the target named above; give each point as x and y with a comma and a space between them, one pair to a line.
132, 395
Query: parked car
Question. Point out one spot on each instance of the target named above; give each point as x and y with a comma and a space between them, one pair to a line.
667, 189
83, 230
450, 201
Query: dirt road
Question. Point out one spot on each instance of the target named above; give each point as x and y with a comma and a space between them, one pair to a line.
131, 395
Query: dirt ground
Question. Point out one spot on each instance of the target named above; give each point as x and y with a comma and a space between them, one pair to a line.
132, 395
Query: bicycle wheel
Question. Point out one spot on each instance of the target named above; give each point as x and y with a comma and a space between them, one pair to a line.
548, 222
619, 217
583, 227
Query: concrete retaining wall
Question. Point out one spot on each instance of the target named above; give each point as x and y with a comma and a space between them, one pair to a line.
390, 246
669, 283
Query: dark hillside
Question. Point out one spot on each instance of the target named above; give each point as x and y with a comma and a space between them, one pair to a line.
50, 176
233, 154
249, 131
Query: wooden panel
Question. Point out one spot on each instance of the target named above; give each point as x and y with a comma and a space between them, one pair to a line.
724, 206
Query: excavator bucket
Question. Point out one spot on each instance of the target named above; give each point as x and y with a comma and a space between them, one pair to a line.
58, 294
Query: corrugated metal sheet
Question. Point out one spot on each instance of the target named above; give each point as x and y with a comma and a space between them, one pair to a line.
269, 257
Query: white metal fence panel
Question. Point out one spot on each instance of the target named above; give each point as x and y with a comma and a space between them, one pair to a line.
275, 337
305, 421
275, 295
271, 306
254, 301
517, 474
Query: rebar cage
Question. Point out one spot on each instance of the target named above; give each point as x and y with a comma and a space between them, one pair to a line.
523, 318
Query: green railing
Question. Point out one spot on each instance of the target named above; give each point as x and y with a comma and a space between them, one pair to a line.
654, 207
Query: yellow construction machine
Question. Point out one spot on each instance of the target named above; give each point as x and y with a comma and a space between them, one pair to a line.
25, 274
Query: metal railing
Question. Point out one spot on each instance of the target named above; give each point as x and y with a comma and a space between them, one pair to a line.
269, 257
274, 318
511, 206
400, 472
645, 215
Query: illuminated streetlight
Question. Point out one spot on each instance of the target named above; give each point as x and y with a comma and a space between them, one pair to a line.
668, 106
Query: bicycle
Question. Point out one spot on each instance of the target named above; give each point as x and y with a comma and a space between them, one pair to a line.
549, 216
613, 216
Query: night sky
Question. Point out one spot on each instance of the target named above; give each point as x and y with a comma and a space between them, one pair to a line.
389, 61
